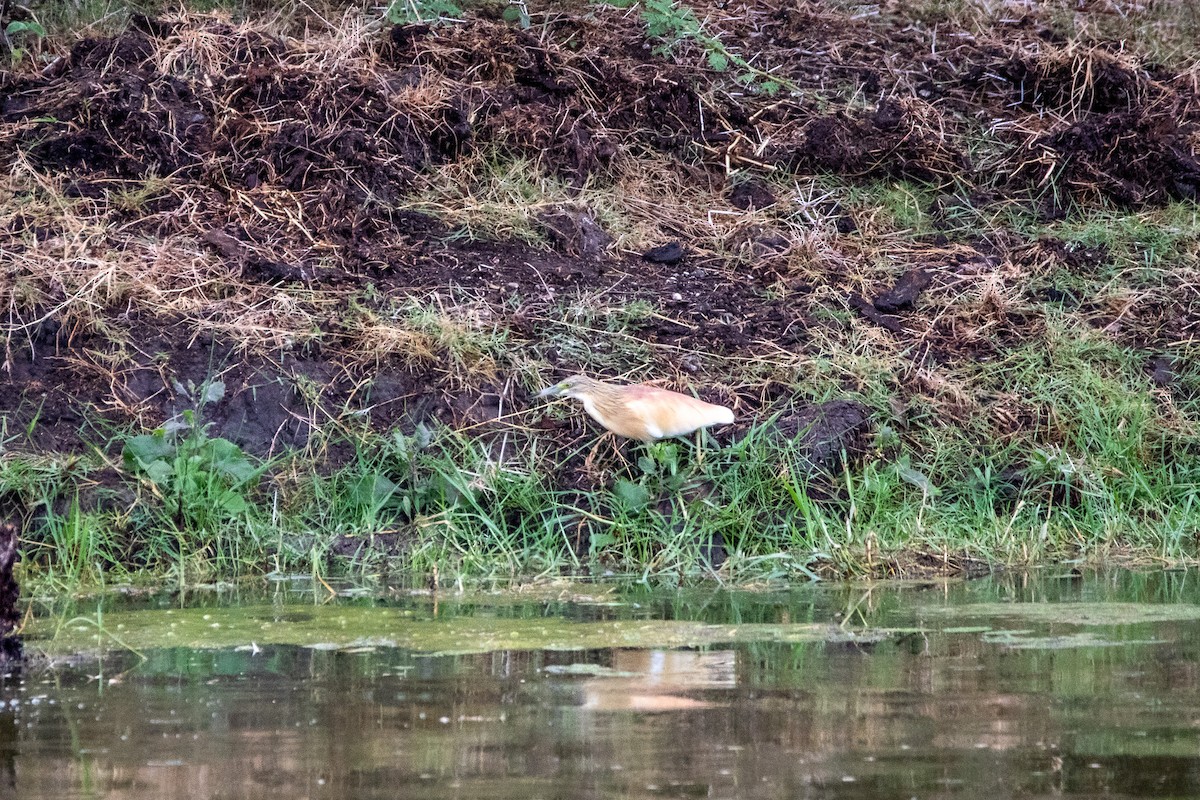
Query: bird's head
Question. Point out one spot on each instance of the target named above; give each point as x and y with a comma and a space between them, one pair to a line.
574, 386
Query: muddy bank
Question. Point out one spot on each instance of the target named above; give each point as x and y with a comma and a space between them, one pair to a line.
380, 228
251, 125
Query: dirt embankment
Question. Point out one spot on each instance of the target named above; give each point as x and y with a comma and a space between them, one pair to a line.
10, 613
261, 186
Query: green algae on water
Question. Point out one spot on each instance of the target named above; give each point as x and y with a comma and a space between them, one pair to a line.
352, 627
1098, 614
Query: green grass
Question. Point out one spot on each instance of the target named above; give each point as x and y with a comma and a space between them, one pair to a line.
1107, 475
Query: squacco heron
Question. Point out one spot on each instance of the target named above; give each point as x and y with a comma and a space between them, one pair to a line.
638, 411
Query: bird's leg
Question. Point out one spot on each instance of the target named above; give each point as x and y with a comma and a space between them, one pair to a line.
616, 446
610, 440
589, 461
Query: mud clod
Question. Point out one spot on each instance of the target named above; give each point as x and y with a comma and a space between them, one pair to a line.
827, 431
1162, 370
1128, 156
893, 141
575, 232
252, 264
669, 253
868, 310
752, 194
846, 224
906, 291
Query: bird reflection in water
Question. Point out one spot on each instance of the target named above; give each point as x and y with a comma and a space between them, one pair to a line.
660, 680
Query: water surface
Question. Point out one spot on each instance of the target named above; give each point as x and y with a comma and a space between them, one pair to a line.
1008, 687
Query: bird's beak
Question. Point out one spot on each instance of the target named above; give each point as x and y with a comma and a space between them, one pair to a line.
549, 391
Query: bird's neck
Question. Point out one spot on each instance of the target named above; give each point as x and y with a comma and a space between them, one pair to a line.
589, 405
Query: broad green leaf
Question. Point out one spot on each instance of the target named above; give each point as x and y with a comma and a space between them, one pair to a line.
917, 479
515, 13
401, 446
232, 503
160, 472
632, 497
141, 450
16, 26
213, 392
601, 540
374, 490
228, 460
423, 436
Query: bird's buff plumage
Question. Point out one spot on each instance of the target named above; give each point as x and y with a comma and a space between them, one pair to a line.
638, 411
